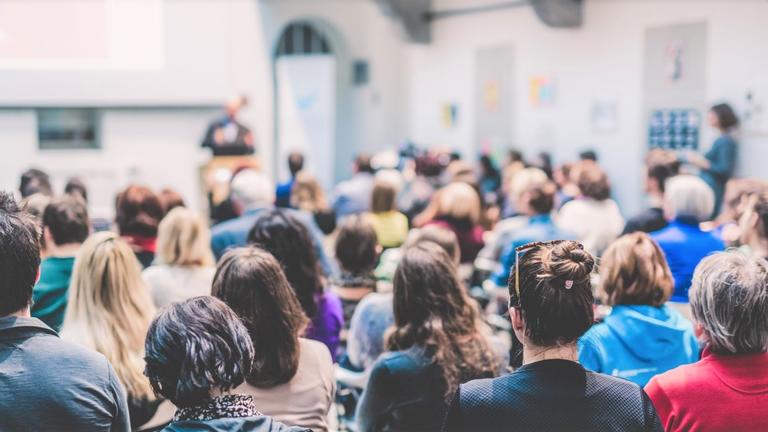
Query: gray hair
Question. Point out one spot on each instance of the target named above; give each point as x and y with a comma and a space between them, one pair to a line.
250, 187
688, 195
729, 298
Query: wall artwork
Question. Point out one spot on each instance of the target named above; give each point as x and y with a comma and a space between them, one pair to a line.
674, 129
541, 91
449, 113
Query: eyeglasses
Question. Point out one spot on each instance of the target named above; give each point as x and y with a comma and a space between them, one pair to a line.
518, 251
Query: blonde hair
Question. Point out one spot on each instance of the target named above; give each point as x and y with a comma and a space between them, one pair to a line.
688, 195
526, 180
109, 309
459, 201
307, 194
184, 240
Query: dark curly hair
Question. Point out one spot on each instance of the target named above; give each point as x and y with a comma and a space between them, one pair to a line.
289, 241
194, 348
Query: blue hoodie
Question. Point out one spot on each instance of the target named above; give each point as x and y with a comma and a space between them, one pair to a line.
637, 342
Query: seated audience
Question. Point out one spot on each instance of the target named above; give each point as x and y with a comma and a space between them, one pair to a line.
65, 228
292, 377
659, 166
184, 264
357, 253
457, 208
170, 199
438, 342
34, 181
138, 212
252, 195
390, 225
642, 336
727, 390
288, 240
284, 190
46, 383
550, 308
753, 224
687, 202
353, 196
308, 196
594, 217
109, 311
198, 351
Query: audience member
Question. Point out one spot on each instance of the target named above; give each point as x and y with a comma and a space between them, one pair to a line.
35, 205
184, 265
390, 225
45, 383
543, 162
753, 224
489, 178
138, 212
353, 196
35, 181
687, 202
307, 195
594, 217
390, 258
197, 353
75, 186
642, 336
660, 165
437, 343
292, 377
65, 228
284, 190
567, 190
727, 390
588, 155
357, 253
550, 308
726, 225
457, 208
288, 240
170, 199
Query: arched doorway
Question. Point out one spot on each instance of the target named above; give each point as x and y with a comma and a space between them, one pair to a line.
305, 69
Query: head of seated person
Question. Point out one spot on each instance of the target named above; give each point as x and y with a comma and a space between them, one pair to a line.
753, 223
65, 225
19, 257
183, 239
660, 165
537, 199
251, 189
522, 181
592, 181
688, 198
357, 251
442, 237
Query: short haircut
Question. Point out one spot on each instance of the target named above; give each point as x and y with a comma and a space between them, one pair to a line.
634, 271
170, 199
688, 196
35, 181
726, 117
363, 163
593, 182
138, 211
442, 237
250, 187
729, 298
357, 245
295, 162
195, 348
588, 155
67, 219
383, 197
555, 292
541, 198
662, 165
75, 186
183, 239
19, 255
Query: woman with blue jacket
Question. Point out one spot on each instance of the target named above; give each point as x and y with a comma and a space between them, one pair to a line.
642, 337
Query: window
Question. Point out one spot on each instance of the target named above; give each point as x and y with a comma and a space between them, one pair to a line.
302, 38
68, 128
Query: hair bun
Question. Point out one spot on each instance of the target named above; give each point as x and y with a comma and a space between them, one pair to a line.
569, 261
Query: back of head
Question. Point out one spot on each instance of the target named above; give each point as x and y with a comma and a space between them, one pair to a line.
729, 299
250, 188
19, 256
593, 182
77, 187
170, 199
525, 180
588, 155
295, 162
459, 201
35, 205
540, 199
66, 218
442, 237
688, 196
138, 211
550, 284
383, 197
662, 165
35, 181
196, 349
307, 194
634, 271
357, 245
363, 164
183, 239
252, 283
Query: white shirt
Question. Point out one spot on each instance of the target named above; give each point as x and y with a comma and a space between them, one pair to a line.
171, 284
595, 223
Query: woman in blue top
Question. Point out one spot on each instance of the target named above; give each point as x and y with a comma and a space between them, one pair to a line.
642, 336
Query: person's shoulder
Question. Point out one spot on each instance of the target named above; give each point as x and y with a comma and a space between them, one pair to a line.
602, 385
396, 362
68, 359
315, 352
683, 378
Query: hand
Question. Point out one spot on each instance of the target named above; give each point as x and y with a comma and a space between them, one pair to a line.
696, 159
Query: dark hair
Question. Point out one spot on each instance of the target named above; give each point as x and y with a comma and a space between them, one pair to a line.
356, 245
433, 311
170, 199
75, 186
488, 167
295, 163
67, 220
588, 155
194, 348
383, 197
555, 292
726, 117
363, 163
138, 211
289, 241
541, 197
19, 255
545, 163
515, 155
35, 181
661, 165
593, 182
252, 283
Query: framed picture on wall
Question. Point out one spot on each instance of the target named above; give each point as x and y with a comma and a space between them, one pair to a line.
674, 129
68, 128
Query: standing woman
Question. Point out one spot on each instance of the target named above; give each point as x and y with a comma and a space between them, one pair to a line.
718, 163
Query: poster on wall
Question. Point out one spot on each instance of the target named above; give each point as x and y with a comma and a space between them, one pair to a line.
541, 91
674, 129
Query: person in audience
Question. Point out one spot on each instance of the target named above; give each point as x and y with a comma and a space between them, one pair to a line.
489, 179
659, 166
170, 199
543, 162
286, 367
550, 308
35, 181
687, 202
726, 225
75, 186
198, 353
457, 207
45, 383
727, 390
594, 217
288, 240
437, 342
642, 337
753, 224
357, 252
353, 196
35, 205
65, 228
567, 190
390, 225
109, 311
307, 195
138, 212
283, 191
589, 156
184, 265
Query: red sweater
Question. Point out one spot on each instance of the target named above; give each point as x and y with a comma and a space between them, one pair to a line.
718, 393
